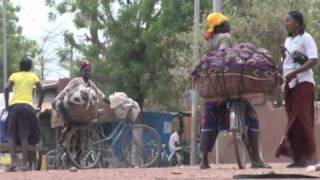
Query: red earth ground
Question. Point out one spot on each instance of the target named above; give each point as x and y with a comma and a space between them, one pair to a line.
225, 171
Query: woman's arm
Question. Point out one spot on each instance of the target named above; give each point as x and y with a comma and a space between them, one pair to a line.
312, 53
6, 94
100, 94
41, 94
309, 64
62, 93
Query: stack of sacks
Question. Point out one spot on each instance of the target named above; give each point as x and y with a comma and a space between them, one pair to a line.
236, 72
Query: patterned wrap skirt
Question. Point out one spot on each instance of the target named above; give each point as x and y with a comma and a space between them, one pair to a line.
216, 117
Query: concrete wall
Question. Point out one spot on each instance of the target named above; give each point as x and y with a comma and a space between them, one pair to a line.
272, 126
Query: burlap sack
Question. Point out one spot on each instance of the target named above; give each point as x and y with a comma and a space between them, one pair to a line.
105, 113
80, 113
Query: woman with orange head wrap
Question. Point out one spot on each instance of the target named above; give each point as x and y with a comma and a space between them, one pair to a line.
215, 20
218, 34
216, 113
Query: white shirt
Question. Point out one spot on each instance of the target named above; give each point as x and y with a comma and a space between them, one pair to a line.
174, 138
305, 44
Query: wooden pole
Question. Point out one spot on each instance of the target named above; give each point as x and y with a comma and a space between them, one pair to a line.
194, 92
4, 35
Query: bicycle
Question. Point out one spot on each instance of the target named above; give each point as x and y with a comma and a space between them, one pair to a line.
140, 144
238, 130
180, 157
56, 159
85, 148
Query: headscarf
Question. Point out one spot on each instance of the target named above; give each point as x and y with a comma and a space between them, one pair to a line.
85, 64
213, 20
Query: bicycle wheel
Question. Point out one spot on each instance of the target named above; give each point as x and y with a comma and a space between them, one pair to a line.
78, 143
140, 146
56, 159
239, 149
35, 159
106, 156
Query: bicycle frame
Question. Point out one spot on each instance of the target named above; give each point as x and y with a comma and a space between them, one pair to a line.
237, 115
115, 134
239, 129
97, 149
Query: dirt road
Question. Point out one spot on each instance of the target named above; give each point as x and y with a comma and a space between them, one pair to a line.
226, 171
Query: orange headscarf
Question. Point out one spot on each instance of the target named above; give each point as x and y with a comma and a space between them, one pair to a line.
213, 20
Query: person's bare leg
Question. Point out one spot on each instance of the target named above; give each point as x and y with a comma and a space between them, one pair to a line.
12, 150
32, 158
24, 146
253, 151
207, 141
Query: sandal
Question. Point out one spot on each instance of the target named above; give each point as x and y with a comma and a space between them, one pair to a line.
23, 169
11, 168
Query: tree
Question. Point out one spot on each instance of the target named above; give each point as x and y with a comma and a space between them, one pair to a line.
18, 46
261, 23
143, 47
139, 36
89, 16
140, 55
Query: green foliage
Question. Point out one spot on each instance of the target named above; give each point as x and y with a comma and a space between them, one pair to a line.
18, 46
262, 22
144, 47
140, 37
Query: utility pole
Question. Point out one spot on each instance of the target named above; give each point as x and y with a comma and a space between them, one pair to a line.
217, 7
4, 29
194, 92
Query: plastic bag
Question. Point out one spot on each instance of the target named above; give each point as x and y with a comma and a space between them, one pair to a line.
4, 115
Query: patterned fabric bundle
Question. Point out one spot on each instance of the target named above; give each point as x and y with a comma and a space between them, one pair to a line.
81, 104
236, 72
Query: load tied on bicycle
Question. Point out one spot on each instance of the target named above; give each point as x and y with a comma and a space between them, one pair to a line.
81, 109
159, 89
230, 76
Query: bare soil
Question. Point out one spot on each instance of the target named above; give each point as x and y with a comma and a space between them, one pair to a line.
225, 171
